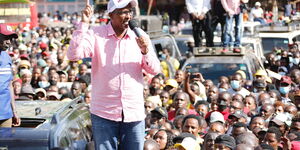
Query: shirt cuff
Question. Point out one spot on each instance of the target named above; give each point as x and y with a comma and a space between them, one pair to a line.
83, 26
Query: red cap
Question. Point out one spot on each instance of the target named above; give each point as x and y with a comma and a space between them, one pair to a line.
11, 54
43, 45
45, 54
7, 30
24, 56
286, 79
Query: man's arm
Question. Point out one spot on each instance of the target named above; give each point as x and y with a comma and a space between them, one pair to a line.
16, 121
226, 7
83, 40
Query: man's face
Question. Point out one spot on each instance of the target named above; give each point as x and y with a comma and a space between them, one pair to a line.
212, 93
257, 122
218, 128
36, 73
250, 103
120, 18
4, 44
179, 76
271, 140
202, 110
161, 138
235, 106
148, 107
238, 131
180, 101
191, 125
266, 111
295, 77
155, 83
221, 147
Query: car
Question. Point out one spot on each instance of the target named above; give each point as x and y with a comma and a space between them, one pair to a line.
47, 125
212, 63
161, 40
278, 36
182, 42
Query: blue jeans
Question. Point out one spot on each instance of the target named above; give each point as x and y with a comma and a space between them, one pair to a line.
113, 135
228, 33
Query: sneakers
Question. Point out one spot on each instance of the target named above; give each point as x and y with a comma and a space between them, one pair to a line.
237, 50
224, 50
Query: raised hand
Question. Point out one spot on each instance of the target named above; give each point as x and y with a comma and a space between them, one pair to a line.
87, 13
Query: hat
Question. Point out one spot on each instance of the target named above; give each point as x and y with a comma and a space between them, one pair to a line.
282, 118
188, 143
54, 94
181, 136
25, 71
216, 116
43, 45
24, 57
115, 4
22, 47
38, 90
12, 54
172, 82
42, 63
161, 110
261, 72
24, 63
286, 79
238, 114
257, 4
7, 30
242, 73
155, 100
45, 54
226, 140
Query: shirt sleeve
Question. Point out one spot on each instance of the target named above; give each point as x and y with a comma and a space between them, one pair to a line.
189, 6
82, 43
225, 5
206, 6
150, 62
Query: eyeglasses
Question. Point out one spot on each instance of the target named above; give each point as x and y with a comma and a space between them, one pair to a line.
124, 13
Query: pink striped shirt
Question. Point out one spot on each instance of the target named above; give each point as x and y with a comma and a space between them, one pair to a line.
117, 80
232, 6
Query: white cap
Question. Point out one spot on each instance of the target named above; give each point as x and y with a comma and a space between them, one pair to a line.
257, 4
216, 116
188, 143
25, 71
115, 4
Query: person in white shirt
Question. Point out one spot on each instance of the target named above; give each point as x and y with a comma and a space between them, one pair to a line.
201, 18
258, 13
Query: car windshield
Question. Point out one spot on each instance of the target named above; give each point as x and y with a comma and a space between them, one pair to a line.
165, 42
183, 48
213, 71
270, 43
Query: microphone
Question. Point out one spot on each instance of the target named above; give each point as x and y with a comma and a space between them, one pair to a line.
134, 26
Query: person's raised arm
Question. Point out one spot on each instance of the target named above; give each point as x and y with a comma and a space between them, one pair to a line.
83, 40
16, 121
187, 88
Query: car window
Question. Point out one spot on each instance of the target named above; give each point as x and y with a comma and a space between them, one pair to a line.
269, 44
165, 42
213, 71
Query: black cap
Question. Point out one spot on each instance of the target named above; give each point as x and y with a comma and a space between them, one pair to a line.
238, 114
226, 140
161, 110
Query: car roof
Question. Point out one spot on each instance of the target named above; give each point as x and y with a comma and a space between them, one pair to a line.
27, 109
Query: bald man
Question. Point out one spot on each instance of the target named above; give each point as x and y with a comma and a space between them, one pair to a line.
150, 144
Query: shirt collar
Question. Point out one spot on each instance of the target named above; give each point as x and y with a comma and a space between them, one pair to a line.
110, 32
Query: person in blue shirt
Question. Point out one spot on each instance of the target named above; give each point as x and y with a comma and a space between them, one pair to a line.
8, 115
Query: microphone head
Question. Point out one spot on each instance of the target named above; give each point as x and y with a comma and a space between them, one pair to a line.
133, 24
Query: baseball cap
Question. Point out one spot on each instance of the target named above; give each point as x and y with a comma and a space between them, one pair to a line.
43, 45
53, 94
115, 4
24, 57
257, 4
238, 114
286, 79
282, 118
172, 82
216, 116
25, 71
7, 30
38, 90
24, 63
162, 111
188, 143
226, 140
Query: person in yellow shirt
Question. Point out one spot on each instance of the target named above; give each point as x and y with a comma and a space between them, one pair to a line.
168, 64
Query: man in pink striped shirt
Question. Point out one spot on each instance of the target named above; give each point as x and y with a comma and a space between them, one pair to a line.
118, 57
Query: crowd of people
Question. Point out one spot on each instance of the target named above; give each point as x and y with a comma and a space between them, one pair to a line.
185, 112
